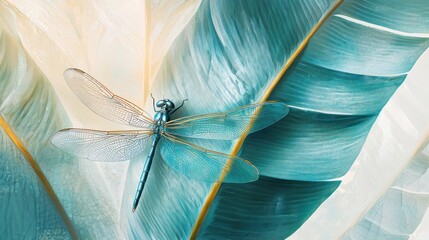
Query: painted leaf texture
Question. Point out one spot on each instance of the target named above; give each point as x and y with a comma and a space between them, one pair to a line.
229, 55
30, 107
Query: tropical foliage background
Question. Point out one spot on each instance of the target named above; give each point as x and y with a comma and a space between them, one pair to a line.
350, 160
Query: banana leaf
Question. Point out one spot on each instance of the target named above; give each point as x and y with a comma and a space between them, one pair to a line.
336, 85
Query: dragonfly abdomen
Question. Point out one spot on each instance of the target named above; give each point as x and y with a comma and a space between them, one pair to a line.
146, 169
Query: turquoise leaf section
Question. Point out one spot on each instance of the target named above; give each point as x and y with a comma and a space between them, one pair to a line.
351, 47
409, 17
26, 210
31, 108
228, 56
308, 146
341, 82
271, 204
336, 89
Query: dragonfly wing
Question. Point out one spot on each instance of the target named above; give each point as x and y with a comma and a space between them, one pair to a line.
205, 165
228, 125
103, 102
101, 145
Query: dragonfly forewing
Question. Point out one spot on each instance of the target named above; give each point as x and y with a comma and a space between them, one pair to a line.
203, 164
101, 146
103, 102
228, 125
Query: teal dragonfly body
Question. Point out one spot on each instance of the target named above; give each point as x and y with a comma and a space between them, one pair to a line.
161, 117
182, 156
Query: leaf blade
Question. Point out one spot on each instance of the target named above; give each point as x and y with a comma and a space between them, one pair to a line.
31, 108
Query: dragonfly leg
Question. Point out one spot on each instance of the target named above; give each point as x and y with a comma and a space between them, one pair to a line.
153, 102
181, 105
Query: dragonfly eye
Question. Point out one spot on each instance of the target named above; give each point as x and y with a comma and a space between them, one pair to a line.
170, 104
160, 103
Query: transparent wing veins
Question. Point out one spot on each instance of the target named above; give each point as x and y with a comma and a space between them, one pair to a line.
104, 146
102, 101
203, 164
228, 125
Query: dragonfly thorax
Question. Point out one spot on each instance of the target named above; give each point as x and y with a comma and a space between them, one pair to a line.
161, 117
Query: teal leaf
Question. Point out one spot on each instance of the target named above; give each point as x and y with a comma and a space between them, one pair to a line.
23, 197
338, 48
229, 55
267, 199
314, 146
391, 14
47, 195
218, 63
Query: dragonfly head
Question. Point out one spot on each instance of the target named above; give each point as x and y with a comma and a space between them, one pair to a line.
165, 104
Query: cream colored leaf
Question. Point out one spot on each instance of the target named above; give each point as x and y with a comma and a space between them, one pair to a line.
108, 39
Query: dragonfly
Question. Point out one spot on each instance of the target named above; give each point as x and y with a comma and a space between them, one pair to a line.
164, 133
